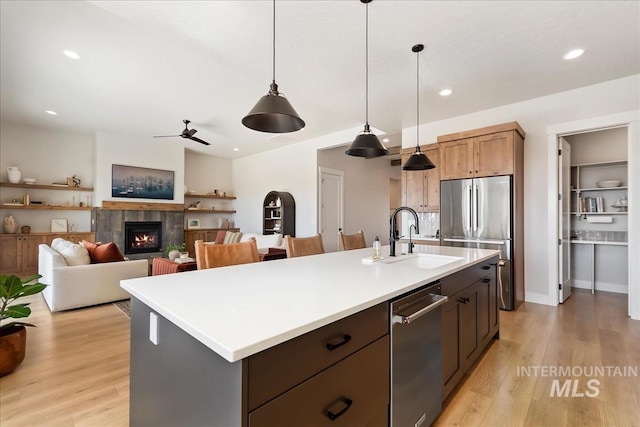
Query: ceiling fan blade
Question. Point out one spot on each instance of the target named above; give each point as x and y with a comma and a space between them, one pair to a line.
193, 138
191, 132
166, 136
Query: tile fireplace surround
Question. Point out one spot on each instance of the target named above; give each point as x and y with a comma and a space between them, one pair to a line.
108, 224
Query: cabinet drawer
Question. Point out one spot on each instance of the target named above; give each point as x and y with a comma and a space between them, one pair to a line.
355, 391
456, 282
277, 369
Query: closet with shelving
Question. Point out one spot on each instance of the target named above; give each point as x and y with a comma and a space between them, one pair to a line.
599, 210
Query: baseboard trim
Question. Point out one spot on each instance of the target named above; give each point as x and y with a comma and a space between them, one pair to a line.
538, 298
607, 287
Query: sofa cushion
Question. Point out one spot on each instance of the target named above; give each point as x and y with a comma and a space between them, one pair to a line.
74, 254
232, 237
106, 252
220, 236
264, 241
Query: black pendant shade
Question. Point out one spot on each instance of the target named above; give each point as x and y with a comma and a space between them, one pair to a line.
366, 143
273, 113
418, 161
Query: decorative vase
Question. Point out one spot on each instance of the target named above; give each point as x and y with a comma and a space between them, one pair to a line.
173, 254
14, 174
10, 225
12, 348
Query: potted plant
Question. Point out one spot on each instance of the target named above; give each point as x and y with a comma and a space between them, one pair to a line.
173, 251
13, 335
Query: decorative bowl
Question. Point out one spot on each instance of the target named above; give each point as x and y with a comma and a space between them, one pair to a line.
29, 180
609, 184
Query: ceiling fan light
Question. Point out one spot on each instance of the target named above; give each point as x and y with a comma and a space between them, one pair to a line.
366, 145
418, 161
274, 114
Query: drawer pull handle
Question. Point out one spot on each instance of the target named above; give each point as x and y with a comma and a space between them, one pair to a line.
486, 280
486, 267
345, 339
334, 416
463, 300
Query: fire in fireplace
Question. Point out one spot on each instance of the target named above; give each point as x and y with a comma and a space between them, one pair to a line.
142, 237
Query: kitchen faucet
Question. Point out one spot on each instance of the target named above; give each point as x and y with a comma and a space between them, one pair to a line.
392, 228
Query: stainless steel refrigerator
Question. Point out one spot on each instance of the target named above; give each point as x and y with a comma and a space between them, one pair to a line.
477, 213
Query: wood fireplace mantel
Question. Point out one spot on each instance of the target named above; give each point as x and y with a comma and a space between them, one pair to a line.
142, 206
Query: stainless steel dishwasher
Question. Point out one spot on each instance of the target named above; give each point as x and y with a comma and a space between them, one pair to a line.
416, 357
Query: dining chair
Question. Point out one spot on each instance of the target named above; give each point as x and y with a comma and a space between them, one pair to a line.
351, 241
222, 255
302, 246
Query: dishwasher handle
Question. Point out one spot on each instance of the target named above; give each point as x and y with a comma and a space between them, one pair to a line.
407, 319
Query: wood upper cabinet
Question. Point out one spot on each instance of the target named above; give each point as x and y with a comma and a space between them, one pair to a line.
421, 189
481, 152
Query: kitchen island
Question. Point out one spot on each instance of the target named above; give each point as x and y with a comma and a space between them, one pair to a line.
235, 346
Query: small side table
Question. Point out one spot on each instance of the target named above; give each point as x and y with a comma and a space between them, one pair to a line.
166, 266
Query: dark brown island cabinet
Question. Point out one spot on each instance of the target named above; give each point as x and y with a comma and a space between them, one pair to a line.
336, 375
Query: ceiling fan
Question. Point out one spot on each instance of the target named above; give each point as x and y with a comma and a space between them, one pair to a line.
186, 133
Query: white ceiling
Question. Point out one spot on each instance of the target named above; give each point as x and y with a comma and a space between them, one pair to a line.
146, 65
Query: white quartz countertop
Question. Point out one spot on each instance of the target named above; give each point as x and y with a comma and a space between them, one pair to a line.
241, 310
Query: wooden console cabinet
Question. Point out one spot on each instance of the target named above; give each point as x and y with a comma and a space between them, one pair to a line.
19, 252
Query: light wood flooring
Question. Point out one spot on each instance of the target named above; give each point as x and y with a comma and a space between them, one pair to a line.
76, 372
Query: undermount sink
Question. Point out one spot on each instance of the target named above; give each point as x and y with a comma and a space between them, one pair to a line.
420, 260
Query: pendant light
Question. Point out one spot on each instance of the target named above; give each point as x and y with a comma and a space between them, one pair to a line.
418, 161
366, 144
273, 113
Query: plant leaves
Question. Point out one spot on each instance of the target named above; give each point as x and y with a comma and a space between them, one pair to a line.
18, 310
32, 289
13, 286
32, 278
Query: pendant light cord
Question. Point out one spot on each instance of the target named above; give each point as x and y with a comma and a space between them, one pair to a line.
274, 41
366, 67
418, 102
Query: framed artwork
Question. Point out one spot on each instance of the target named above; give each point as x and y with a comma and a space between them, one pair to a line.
193, 224
133, 182
59, 225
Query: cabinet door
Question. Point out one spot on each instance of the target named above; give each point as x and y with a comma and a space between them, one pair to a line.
9, 262
432, 182
413, 188
451, 363
456, 159
469, 341
190, 237
30, 253
493, 154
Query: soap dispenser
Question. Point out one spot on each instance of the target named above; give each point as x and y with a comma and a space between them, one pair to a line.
376, 248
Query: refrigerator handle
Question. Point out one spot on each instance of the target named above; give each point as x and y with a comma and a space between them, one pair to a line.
475, 226
470, 207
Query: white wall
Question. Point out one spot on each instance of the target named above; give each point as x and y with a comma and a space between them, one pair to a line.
136, 151
367, 190
49, 156
292, 168
600, 146
534, 116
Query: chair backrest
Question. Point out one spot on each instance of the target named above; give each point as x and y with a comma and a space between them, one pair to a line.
351, 241
199, 246
222, 255
302, 246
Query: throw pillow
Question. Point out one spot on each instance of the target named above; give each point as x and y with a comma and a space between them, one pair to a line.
232, 237
91, 248
75, 254
59, 244
220, 236
107, 252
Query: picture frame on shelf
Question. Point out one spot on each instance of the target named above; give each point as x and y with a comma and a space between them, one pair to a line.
193, 224
59, 225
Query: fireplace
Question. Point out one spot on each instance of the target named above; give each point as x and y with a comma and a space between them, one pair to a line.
142, 237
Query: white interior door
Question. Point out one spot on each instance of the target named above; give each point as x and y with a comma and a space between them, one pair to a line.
331, 207
564, 224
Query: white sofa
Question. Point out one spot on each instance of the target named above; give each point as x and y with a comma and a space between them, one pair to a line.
74, 286
264, 241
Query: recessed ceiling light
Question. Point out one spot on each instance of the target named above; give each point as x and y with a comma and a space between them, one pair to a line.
574, 54
445, 92
236, 149
71, 54
385, 139
53, 113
